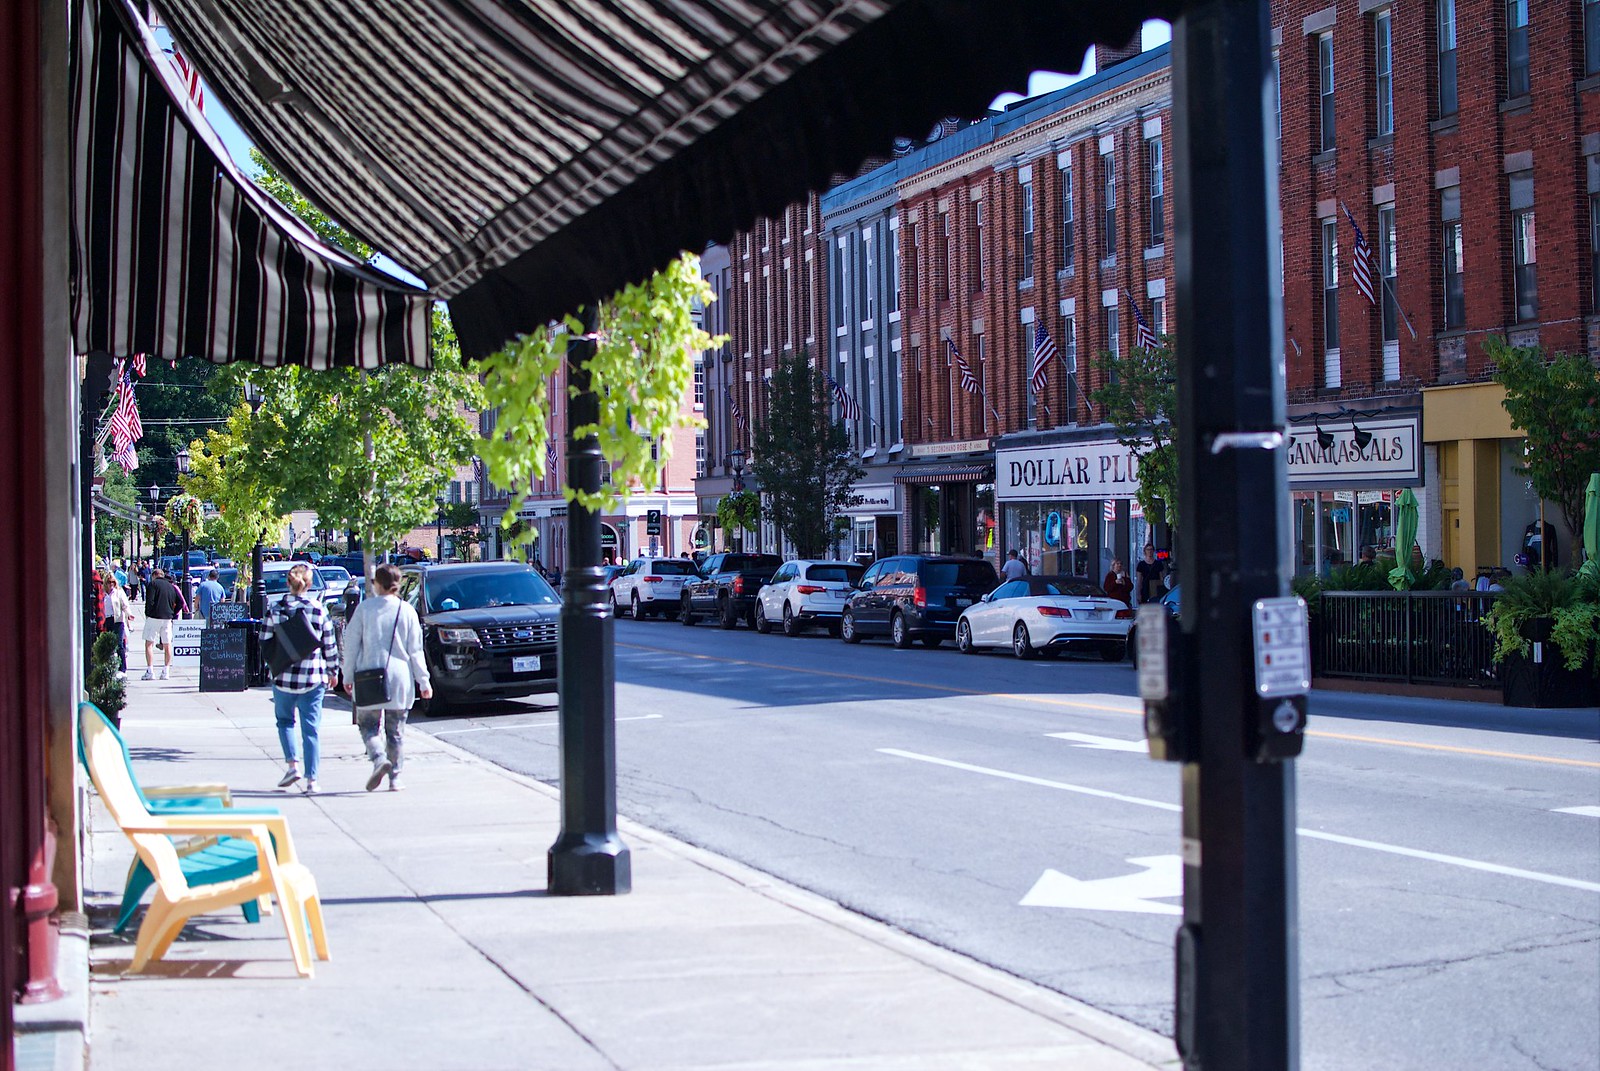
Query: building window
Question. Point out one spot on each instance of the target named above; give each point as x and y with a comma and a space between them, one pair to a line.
1158, 316
1069, 355
1594, 232
842, 284
1447, 58
979, 247
1524, 250
913, 263
947, 280
788, 299
868, 304
894, 261
1113, 334
1325, 89
1158, 189
1387, 270
1383, 69
1108, 227
766, 235
1516, 48
700, 452
1027, 232
1591, 36
1455, 263
700, 382
1068, 235
1277, 104
1330, 285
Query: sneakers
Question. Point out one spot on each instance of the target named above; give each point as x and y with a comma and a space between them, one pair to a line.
148, 676
290, 776
163, 674
311, 786
380, 770
394, 783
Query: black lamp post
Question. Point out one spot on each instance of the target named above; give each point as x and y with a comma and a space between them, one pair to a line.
182, 459
438, 528
736, 459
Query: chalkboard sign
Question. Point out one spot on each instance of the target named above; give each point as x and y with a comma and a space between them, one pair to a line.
222, 660
223, 612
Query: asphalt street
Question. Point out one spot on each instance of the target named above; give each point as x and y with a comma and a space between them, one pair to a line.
1449, 853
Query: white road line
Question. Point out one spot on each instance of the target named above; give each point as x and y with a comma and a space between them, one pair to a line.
1312, 834
527, 725
1588, 811
1103, 743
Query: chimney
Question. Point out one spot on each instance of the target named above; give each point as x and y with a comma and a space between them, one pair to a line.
1108, 56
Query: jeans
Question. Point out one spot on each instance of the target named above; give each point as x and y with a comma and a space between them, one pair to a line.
392, 723
309, 704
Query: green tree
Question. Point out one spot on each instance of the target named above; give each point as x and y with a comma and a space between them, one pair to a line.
109, 529
803, 458
461, 521
1140, 400
221, 473
1555, 402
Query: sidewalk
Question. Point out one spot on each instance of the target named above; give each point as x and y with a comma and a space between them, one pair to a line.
448, 954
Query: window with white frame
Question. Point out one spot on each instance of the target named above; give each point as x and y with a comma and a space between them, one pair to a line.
842, 283
1383, 69
1069, 357
1108, 200
1330, 285
1445, 34
1158, 189
1524, 248
700, 381
1112, 332
894, 255
1026, 214
1030, 397
1158, 316
947, 255
1455, 259
868, 302
980, 251
913, 266
1388, 268
700, 452
1325, 90
1068, 231
1593, 163
1516, 48
1591, 36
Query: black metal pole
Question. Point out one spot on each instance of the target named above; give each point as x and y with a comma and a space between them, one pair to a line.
588, 858
96, 385
184, 568
258, 611
1238, 998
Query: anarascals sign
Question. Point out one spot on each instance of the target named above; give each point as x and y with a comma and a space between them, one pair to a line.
1071, 470
1387, 452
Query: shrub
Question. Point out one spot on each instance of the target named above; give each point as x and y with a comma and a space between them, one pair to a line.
1571, 605
106, 690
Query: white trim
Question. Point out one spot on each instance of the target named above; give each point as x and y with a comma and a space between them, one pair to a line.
1027, 314
1109, 299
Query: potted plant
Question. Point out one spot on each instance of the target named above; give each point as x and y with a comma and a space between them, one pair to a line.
1545, 625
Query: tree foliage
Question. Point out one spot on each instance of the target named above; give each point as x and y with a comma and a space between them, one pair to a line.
739, 511
1555, 402
642, 368
269, 179
222, 473
109, 529
461, 521
802, 457
1140, 400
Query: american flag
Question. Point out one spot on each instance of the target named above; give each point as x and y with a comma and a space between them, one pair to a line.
190, 78
1044, 351
1361, 260
138, 365
969, 382
126, 428
848, 409
1143, 337
126, 457
551, 457
733, 407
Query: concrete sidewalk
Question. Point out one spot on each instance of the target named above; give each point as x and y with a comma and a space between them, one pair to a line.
447, 953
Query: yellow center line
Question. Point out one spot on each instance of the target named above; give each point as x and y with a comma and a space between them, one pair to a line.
1102, 707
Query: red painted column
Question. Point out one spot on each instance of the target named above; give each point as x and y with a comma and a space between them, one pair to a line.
27, 926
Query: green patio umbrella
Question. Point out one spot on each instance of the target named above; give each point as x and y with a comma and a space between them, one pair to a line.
1405, 537
1591, 529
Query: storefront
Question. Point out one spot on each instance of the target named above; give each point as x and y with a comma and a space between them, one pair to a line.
874, 514
949, 502
1068, 507
1345, 476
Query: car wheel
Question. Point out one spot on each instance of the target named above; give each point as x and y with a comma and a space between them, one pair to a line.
847, 628
727, 618
633, 608
964, 642
1114, 652
899, 634
616, 611
791, 623
685, 616
763, 626
1021, 644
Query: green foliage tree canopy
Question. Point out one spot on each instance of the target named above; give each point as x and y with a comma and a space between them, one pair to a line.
1140, 400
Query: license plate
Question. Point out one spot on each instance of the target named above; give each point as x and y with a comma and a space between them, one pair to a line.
963, 602
525, 664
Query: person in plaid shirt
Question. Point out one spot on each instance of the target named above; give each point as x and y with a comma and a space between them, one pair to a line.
300, 687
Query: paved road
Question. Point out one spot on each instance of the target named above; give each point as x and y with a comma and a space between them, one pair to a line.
1449, 906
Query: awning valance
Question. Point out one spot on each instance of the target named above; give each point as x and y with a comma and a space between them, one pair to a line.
526, 158
954, 474
176, 254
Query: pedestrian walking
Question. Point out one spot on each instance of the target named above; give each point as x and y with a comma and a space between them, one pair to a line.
1117, 584
1150, 573
1013, 569
384, 633
145, 573
115, 614
161, 602
208, 594
298, 688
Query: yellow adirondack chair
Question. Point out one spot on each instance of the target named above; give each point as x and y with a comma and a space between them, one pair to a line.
181, 896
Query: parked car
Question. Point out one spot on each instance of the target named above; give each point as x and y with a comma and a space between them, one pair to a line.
727, 587
913, 597
803, 593
1046, 615
488, 628
337, 578
275, 576
651, 587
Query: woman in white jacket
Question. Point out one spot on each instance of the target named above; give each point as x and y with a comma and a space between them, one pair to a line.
385, 633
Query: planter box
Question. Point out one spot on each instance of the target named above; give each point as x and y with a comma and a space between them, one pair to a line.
1546, 682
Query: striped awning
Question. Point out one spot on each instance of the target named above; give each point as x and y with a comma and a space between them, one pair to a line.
524, 157
176, 254
952, 474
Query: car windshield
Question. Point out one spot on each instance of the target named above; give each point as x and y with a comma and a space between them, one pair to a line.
958, 575
336, 574
471, 591
849, 574
1063, 585
277, 581
668, 567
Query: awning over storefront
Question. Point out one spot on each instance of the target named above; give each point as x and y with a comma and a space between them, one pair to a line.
524, 159
955, 474
176, 254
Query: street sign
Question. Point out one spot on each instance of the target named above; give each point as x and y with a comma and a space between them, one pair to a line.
652, 522
1282, 647
1151, 651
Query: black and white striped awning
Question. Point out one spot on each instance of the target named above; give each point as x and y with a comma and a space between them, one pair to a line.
524, 157
176, 254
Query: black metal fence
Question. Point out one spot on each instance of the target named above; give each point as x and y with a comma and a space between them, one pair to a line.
1421, 637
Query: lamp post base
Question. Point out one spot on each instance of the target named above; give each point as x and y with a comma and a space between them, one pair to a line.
589, 865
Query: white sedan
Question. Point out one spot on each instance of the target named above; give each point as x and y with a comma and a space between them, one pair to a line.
1044, 615
803, 593
650, 587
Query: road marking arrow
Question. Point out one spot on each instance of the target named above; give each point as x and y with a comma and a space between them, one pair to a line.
1103, 743
1160, 878
1586, 811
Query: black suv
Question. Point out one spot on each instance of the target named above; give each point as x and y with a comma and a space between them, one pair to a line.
488, 628
915, 597
727, 588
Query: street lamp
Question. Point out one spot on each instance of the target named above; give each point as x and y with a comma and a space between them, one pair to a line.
438, 528
182, 459
736, 459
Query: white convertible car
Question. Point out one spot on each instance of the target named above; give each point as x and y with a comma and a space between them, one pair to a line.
1044, 615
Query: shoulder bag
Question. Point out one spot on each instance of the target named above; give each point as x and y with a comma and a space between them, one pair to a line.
294, 641
371, 686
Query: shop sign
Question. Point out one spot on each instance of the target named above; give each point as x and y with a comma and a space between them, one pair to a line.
1066, 471
870, 501
1393, 453
963, 446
